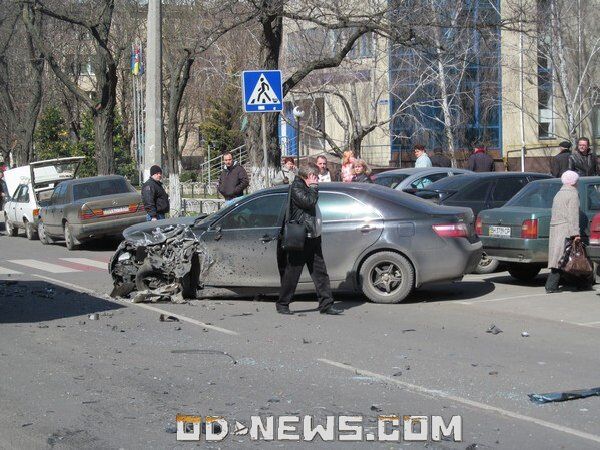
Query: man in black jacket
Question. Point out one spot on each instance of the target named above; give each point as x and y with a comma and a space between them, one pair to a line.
583, 160
560, 163
233, 179
439, 159
303, 209
156, 200
480, 161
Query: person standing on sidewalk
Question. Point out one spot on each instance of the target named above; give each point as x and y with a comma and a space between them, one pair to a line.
583, 160
422, 158
156, 200
480, 161
233, 179
304, 194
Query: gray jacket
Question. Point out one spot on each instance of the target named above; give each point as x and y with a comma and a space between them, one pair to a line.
564, 222
284, 176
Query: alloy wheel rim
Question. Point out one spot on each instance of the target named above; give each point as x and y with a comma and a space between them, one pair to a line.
386, 277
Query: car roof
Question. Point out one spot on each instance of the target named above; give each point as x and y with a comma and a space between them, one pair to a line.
93, 179
423, 170
504, 174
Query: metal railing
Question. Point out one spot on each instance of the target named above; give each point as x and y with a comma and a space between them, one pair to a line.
212, 167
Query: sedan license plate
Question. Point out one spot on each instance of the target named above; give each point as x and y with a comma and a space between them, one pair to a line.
501, 232
118, 210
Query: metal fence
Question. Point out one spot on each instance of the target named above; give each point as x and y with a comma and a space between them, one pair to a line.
196, 206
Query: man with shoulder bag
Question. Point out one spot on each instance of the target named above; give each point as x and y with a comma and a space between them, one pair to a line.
301, 243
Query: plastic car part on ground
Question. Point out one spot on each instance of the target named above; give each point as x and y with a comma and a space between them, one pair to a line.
159, 265
564, 396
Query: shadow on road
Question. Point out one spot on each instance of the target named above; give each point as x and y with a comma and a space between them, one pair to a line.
441, 292
39, 301
539, 280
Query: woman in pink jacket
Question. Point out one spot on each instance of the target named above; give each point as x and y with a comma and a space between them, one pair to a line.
348, 166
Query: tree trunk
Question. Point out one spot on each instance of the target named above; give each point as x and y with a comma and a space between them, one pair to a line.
103, 141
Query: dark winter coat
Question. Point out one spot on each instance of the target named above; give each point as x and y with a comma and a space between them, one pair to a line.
303, 206
156, 200
584, 165
440, 160
362, 178
233, 181
3, 190
481, 162
560, 163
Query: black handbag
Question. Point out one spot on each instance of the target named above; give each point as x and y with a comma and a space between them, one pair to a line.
294, 233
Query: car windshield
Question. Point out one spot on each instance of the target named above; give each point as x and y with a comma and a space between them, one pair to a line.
390, 181
100, 188
535, 195
450, 183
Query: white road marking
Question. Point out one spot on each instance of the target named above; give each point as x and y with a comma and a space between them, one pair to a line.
87, 262
141, 305
44, 266
490, 300
465, 401
5, 271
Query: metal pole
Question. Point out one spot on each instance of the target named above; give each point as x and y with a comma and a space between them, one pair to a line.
153, 149
298, 142
265, 153
521, 88
208, 162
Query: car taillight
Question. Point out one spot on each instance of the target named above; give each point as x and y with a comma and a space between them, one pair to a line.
479, 226
595, 230
451, 230
134, 207
86, 213
36, 212
529, 229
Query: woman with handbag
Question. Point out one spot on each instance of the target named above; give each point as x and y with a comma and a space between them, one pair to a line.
301, 243
564, 224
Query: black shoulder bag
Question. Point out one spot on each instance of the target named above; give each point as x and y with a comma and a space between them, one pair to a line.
294, 233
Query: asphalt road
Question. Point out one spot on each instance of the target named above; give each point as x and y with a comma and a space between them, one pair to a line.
119, 381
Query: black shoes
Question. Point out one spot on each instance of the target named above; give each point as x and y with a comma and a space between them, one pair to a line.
284, 310
332, 311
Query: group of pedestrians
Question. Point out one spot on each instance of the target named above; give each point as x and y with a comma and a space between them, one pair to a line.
479, 160
581, 161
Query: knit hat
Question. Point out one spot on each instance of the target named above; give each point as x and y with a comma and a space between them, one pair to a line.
565, 144
154, 170
569, 178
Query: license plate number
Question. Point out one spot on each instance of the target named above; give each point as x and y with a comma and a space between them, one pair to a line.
118, 210
502, 232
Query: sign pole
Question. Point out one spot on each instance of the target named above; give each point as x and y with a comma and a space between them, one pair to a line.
265, 152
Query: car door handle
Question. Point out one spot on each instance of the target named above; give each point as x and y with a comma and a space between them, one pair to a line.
266, 238
367, 228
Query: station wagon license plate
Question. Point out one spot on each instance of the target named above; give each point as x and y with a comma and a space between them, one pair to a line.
118, 210
501, 232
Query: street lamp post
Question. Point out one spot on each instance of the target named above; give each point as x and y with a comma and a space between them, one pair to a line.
298, 114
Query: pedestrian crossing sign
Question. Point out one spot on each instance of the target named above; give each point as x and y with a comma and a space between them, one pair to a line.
262, 91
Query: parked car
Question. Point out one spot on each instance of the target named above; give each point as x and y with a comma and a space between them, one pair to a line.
412, 179
90, 208
30, 186
375, 240
518, 232
479, 191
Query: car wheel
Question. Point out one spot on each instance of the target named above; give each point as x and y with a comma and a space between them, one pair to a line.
524, 272
11, 230
387, 277
44, 238
189, 282
30, 231
487, 265
69, 239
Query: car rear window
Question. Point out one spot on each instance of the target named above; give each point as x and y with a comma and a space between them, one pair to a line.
100, 188
390, 181
535, 195
455, 182
593, 195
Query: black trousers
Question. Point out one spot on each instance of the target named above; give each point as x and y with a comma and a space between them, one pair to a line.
312, 257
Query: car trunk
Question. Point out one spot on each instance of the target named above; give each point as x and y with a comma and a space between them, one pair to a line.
99, 209
456, 214
507, 222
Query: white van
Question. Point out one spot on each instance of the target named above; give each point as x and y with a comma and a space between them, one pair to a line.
29, 187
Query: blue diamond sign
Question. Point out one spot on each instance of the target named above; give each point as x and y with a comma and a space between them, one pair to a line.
262, 91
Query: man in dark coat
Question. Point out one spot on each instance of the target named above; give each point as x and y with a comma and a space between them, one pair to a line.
233, 179
304, 193
156, 200
4, 196
439, 159
480, 161
583, 161
560, 163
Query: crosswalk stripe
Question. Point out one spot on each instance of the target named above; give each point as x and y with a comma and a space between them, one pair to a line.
44, 266
87, 262
5, 271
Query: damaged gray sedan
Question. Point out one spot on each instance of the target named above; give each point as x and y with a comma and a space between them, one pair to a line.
377, 241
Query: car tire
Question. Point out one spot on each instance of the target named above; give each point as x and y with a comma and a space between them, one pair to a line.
11, 230
69, 239
189, 282
44, 238
524, 272
487, 265
387, 277
30, 231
